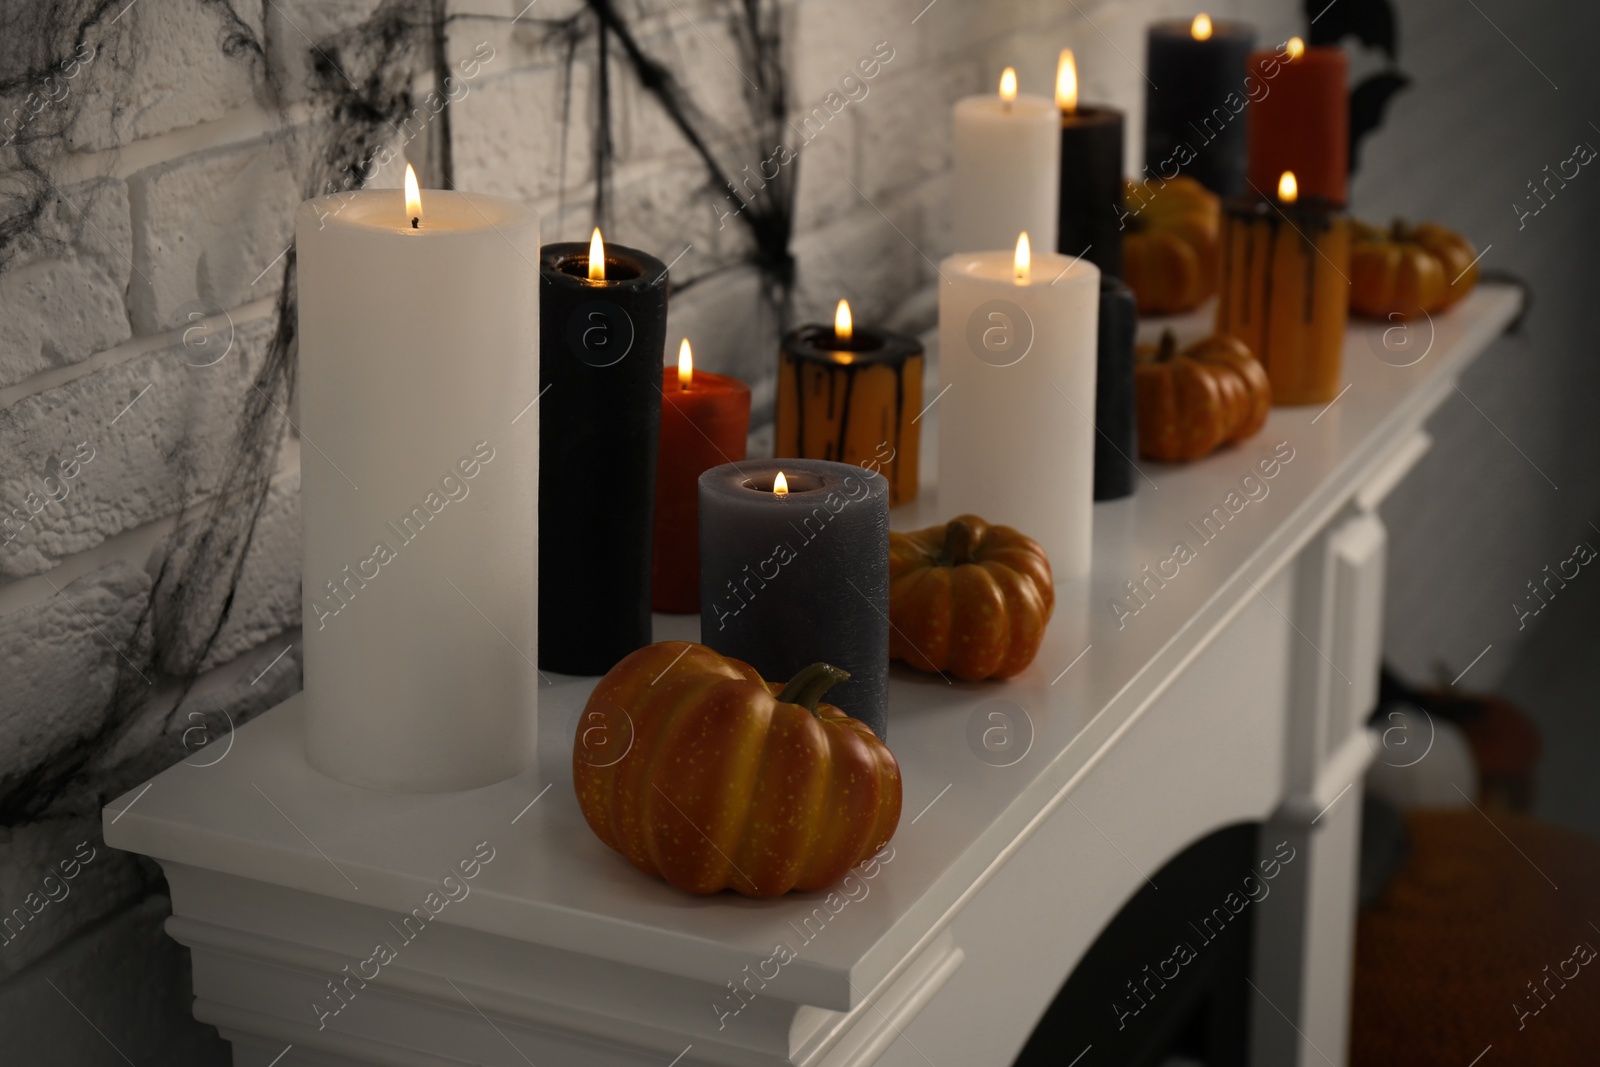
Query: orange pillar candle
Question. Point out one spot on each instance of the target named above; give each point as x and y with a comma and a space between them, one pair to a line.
1285, 290
851, 394
705, 422
1303, 122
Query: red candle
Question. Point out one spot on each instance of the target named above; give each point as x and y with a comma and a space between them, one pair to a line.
705, 421
1302, 124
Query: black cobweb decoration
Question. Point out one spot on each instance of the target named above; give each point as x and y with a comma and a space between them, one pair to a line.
43, 49
362, 83
764, 209
363, 87
767, 210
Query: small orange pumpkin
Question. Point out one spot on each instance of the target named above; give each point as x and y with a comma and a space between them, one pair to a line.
1408, 271
968, 598
700, 773
1169, 252
1191, 402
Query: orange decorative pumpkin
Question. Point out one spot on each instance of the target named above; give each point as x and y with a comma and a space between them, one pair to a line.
1169, 252
700, 773
1191, 402
968, 598
1408, 271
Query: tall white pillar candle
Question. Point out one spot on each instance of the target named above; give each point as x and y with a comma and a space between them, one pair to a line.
1016, 429
1007, 162
419, 348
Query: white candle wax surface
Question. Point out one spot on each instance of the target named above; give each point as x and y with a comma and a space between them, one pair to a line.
418, 347
1007, 166
1016, 429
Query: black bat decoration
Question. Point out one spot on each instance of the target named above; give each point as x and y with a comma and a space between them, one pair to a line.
1368, 101
1371, 22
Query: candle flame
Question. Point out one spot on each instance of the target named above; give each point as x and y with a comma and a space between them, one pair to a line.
843, 324
1008, 85
685, 364
1023, 262
1067, 82
1295, 48
1200, 28
780, 485
1288, 188
597, 257
413, 199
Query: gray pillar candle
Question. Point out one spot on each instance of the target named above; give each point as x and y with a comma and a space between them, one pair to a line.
790, 579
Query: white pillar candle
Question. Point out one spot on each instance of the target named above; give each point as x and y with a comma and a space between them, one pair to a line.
1007, 162
1016, 429
419, 346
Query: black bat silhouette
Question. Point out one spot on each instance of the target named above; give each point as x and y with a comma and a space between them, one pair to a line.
1371, 22
1368, 101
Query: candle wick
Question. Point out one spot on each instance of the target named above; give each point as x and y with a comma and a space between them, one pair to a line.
416, 223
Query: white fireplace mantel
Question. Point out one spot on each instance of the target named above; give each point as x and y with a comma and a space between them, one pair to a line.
1237, 693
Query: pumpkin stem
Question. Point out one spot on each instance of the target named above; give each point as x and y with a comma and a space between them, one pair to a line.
1399, 231
1168, 346
809, 683
957, 544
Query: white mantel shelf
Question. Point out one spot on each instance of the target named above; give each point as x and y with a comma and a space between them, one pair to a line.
255, 813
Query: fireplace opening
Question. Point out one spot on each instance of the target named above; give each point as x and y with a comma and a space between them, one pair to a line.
1165, 982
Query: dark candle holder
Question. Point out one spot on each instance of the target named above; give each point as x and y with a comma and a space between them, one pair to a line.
601, 346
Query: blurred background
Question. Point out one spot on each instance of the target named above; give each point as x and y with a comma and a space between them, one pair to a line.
153, 153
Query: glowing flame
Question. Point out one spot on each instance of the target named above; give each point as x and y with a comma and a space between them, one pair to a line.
843, 325
1296, 48
780, 485
685, 364
1023, 262
1067, 82
413, 199
1200, 28
1008, 85
1288, 188
597, 257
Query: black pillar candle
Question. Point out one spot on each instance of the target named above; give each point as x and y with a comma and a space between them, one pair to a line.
1089, 222
1115, 439
1197, 102
601, 343
793, 578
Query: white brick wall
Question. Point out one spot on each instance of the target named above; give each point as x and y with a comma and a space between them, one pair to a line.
205, 226
60, 663
176, 199
157, 427
160, 67
63, 294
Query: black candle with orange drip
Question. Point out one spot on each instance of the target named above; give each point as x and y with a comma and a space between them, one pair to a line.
852, 394
602, 330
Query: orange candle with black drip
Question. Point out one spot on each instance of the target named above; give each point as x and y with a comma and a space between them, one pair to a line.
851, 394
705, 422
1285, 289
